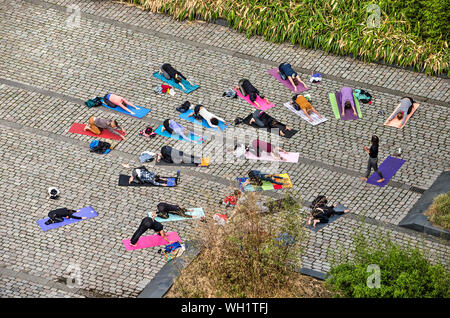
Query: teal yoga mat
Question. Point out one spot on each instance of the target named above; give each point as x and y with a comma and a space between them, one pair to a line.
198, 213
189, 88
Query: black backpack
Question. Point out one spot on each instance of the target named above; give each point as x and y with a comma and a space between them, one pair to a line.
101, 147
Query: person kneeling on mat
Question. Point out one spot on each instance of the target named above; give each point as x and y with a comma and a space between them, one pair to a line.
255, 177
287, 73
320, 212
175, 128
347, 100
246, 88
267, 122
141, 176
172, 155
200, 112
170, 73
301, 103
58, 215
163, 210
113, 101
257, 147
97, 124
405, 108
148, 223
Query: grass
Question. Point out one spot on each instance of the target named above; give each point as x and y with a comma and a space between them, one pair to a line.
409, 35
439, 212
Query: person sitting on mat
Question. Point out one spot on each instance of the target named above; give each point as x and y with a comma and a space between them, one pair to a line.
246, 88
113, 100
142, 175
257, 147
256, 177
170, 73
266, 121
301, 103
146, 224
373, 159
172, 155
320, 212
347, 100
175, 128
402, 112
96, 124
58, 215
287, 73
201, 112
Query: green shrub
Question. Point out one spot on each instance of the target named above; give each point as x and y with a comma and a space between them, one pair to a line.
439, 211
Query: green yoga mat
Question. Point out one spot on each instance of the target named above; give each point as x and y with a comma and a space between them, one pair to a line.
335, 107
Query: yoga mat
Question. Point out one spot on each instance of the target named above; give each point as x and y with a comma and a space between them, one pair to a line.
138, 113
388, 169
123, 181
164, 133
88, 212
202, 122
300, 87
197, 213
319, 226
335, 99
151, 241
266, 185
189, 88
280, 126
77, 128
290, 157
314, 116
264, 105
395, 122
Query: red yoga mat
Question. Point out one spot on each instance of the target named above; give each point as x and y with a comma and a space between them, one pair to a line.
77, 128
151, 240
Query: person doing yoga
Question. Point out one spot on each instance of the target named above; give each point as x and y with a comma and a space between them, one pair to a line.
246, 88
257, 147
301, 103
172, 155
97, 124
212, 120
113, 100
262, 120
287, 73
347, 100
402, 112
255, 177
170, 73
163, 210
142, 176
320, 212
175, 128
148, 223
58, 215
373, 159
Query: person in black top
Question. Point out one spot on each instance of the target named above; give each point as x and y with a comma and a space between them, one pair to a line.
172, 155
170, 73
58, 215
373, 159
246, 88
320, 212
146, 224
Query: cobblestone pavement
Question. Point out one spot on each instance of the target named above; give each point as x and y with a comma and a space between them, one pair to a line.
48, 69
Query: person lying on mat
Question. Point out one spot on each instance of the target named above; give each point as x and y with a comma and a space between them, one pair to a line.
373, 158
141, 175
255, 177
58, 215
148, 223
320, 212
96, 124
113, 100
172, 155
212, 120
257, 147
402, 112
287, 73
347, 100
301, 103
170, 73
246, 88
266, 121
175, 128
163, 210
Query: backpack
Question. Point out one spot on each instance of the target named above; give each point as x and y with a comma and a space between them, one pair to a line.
94, 102
363, 96
172, 247
184, 107
100, 147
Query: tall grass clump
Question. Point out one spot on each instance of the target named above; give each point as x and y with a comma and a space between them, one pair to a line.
439, 212
411, 33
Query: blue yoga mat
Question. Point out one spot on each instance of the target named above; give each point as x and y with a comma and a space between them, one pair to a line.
198, 213
339, 208
202, 122
138, 113
88, 212
164, 133
189, 88
388, 169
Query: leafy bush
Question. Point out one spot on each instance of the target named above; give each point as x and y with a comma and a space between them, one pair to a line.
439, 211
404, 272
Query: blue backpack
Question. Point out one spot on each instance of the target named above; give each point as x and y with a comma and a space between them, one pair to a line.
172, 247
100, 147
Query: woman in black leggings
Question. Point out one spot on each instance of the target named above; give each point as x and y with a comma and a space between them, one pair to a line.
373, 159
146, 224
58, 215
171, 155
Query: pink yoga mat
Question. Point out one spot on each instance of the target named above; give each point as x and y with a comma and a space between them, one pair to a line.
151, 241
264, 105
290, 157
77, 128
300, 86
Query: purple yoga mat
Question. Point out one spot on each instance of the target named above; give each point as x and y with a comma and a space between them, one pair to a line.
300, 86
88, 212
348, 114
388, 169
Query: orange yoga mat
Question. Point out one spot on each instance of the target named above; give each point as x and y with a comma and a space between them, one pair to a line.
395, 122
